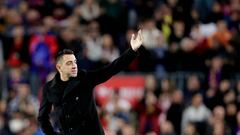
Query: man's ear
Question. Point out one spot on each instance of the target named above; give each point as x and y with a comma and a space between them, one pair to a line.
58, 67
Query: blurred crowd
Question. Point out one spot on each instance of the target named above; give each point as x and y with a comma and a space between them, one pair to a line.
194, 41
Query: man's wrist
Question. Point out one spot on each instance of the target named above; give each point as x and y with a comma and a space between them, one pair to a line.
134, 48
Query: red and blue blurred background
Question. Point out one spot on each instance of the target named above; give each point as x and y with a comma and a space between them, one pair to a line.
185, 82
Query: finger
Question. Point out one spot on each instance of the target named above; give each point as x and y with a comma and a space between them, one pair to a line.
137, 35
133, 37
139, 31
140, 34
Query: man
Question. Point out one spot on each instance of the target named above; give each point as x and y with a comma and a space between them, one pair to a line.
70, 93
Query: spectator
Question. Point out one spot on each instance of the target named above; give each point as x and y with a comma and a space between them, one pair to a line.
175, 111
178, 33
194, 35
3, 125
50, 26
148, 113
190, 129
117, 104
233, 21
33, 21
42, 49
93, 41
219, 129
13, 19
153, 37
127, 130
167, 128
196, 113
109, 50
15, 77
151, 84
221, 97
164, 20
58, 9
193, 85
24, 102
17, 50
216, 72
218, 115
216, 12
231, 121
217, 125
164, 99
68, 39
221, 37
89, 10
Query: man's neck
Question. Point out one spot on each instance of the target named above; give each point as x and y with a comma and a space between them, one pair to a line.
64, 78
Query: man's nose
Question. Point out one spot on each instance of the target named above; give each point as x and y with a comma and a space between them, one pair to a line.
74, 65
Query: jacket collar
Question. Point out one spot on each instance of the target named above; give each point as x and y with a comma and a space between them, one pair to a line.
73, 81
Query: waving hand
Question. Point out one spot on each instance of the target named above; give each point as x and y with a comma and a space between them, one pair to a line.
136, 40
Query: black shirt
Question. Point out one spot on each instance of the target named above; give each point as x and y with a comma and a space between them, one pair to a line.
62, 86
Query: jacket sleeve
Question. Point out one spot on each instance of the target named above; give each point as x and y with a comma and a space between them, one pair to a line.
43, 116
103, 74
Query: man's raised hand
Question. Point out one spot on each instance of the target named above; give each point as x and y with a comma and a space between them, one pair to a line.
136, 40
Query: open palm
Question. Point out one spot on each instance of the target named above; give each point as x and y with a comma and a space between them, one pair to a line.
136, 40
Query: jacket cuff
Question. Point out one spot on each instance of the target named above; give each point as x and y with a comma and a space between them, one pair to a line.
138, 51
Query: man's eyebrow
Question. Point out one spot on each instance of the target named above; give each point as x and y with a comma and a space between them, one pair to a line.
71, 61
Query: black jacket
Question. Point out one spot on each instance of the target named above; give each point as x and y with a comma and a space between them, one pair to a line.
75, 109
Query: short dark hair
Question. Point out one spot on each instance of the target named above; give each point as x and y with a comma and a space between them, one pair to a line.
63, 52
